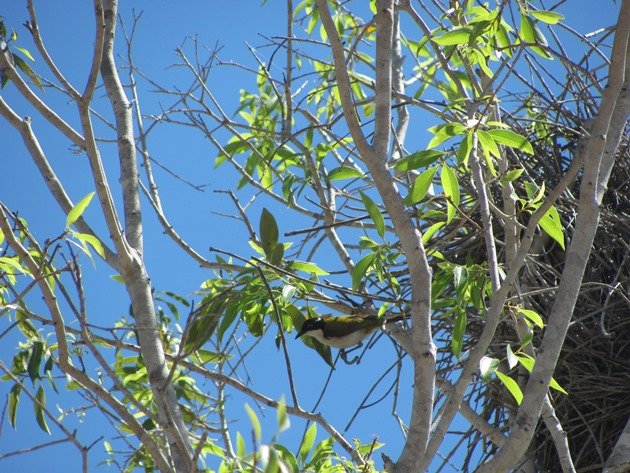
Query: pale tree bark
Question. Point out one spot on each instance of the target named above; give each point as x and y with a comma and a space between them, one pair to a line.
375, 157
599, 152
134, 273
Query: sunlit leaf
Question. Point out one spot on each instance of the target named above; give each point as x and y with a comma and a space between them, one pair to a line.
281, 413
344, 172
359, 270
418, 160
255, 423
455, 36
511, 386
78, 210
546, 16
92, 241
420, 186
459, 330
307, 442
511, 139
533, 317
450, 185
374, 213
307, 267
552, 225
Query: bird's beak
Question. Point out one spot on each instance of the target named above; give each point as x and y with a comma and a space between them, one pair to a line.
299, 334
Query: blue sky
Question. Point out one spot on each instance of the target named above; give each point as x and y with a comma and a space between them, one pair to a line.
67, 27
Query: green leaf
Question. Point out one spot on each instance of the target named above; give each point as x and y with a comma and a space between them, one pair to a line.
533, 317
78, 210
530, 33
40, 397
268, 232
344, 172
26, 53
511, 139
547, 16
374, 213
281, 413
455, 36
359, 270
511, 176
459, 330
14, 401
417, 160
555, 385
426, 236
92, 241
307, 442
241, 449
420, 186
463, 152
287, 457
451, 190
488, 144
552, 226
255, 423
307, 267
441, 133
35, 360
511, 386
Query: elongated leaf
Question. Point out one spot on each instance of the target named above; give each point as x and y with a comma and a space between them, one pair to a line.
420, 186
417, 160
78, 210
552, 226
307, 267
374, 213
92, 241
450, 185
511, 176
511, 139
550, 17
344, 172
429, 232
361, 268
281, 413
488, 144
511, 386
39, 410
268, 232
14, 401
255, 423
307, 442
533, 317
455, 36
463, 152
26, 53
459, 331
554, 384
441, 133
35, 360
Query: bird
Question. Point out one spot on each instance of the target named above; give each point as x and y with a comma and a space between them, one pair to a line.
343, 331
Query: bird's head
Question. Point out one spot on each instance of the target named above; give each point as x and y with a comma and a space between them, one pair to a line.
310, 326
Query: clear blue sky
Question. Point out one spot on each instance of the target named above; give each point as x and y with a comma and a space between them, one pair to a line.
67, 26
